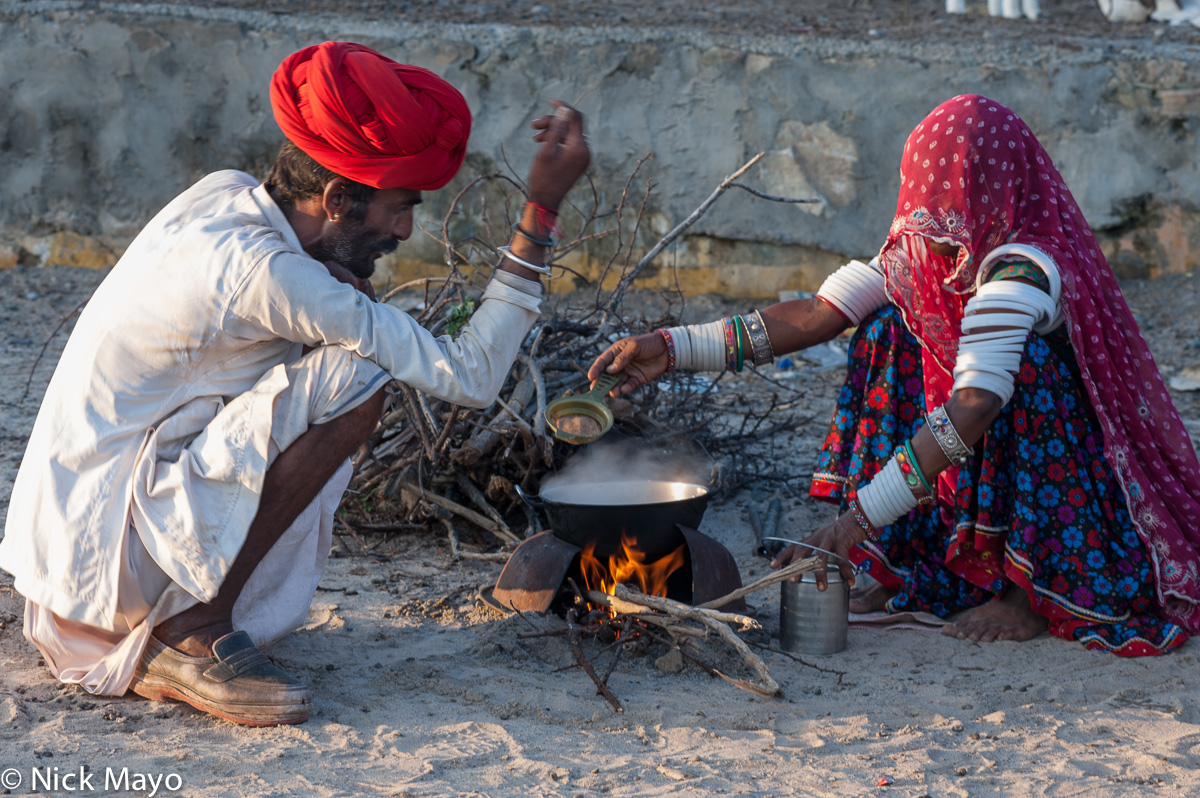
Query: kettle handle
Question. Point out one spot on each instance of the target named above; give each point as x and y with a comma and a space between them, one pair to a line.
807, 546
532, 501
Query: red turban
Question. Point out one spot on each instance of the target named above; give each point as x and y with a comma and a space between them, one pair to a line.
370, 119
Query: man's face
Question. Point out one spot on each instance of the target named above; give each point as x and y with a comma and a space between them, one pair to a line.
361, 237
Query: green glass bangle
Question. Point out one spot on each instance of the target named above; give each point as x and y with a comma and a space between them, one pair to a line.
912, 459
739, 324
912, 475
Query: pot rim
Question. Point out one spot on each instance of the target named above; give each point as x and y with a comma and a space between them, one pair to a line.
703, 492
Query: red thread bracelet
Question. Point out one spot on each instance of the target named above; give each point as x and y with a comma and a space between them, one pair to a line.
545, 219
670, 349
730, 345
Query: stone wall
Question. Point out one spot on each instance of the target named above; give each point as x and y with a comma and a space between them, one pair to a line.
110, 109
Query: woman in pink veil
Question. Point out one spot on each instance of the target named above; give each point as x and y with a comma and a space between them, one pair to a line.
1004, 446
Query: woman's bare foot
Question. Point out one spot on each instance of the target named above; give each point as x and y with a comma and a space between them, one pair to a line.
870, 599
1007, 618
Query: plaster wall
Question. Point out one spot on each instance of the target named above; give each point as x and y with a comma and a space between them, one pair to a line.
107, 110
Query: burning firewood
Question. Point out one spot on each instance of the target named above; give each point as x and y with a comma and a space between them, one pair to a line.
634, 612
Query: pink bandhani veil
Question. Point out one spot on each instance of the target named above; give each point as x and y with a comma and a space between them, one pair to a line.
974, 175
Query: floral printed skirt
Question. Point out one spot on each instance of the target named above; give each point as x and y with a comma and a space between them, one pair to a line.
1037, 506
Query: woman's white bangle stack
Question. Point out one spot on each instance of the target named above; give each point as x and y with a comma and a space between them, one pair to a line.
699, 347
857, 289
887, 497
990, 360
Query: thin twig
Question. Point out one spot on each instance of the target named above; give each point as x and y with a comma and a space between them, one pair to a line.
390, 527
521, 423
678, 609
417, 418
769, 686
421, 281
351, 531
454, 207
577, 649
539, 415
791, 656
444, 436
771, 197
395, 468
619, 292
622, 638
787, 572
474, 494
475, 518
620, 237
638, 612
457, 553
560, 252
38, 359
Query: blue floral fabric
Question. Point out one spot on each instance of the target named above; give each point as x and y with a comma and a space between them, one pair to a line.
1037, 506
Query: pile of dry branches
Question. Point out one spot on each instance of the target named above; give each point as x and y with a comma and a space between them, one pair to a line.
430, 461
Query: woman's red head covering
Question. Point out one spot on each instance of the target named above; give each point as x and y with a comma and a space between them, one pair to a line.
369, 118
974, 175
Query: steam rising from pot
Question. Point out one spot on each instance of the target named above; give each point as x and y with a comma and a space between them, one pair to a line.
628, 462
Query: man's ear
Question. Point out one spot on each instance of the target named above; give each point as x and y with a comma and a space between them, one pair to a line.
335, 201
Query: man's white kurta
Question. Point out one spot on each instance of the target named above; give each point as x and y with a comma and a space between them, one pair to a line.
209, 304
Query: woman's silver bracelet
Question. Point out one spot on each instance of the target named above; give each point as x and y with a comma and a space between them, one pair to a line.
760, 343
947, 436
507, 252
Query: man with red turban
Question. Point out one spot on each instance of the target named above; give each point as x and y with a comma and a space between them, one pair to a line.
174, 507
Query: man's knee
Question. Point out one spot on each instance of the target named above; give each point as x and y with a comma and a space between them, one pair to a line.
335, 380
362, 420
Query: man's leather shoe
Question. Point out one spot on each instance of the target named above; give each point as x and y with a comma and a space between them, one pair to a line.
238, 684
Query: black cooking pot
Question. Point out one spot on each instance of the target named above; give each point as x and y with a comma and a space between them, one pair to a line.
646, 510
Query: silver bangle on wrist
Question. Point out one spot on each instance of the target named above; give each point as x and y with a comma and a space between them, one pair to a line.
508, 253
947, 436
760, 343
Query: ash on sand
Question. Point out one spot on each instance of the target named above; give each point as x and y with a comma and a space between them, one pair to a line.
419, 692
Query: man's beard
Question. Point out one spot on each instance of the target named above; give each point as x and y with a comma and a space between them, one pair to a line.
352, 248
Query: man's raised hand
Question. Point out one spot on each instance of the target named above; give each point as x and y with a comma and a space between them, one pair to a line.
562, 158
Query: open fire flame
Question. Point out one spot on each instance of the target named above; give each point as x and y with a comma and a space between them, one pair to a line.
629, 566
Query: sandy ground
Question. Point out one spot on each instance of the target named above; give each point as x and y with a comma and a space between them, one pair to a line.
421, 691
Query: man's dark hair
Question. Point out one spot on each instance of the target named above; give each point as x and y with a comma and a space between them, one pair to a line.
296, 176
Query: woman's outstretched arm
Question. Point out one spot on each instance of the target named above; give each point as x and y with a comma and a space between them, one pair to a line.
791, 326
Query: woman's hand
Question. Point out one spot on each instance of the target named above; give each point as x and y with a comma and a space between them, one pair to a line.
839, 537
642, 358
